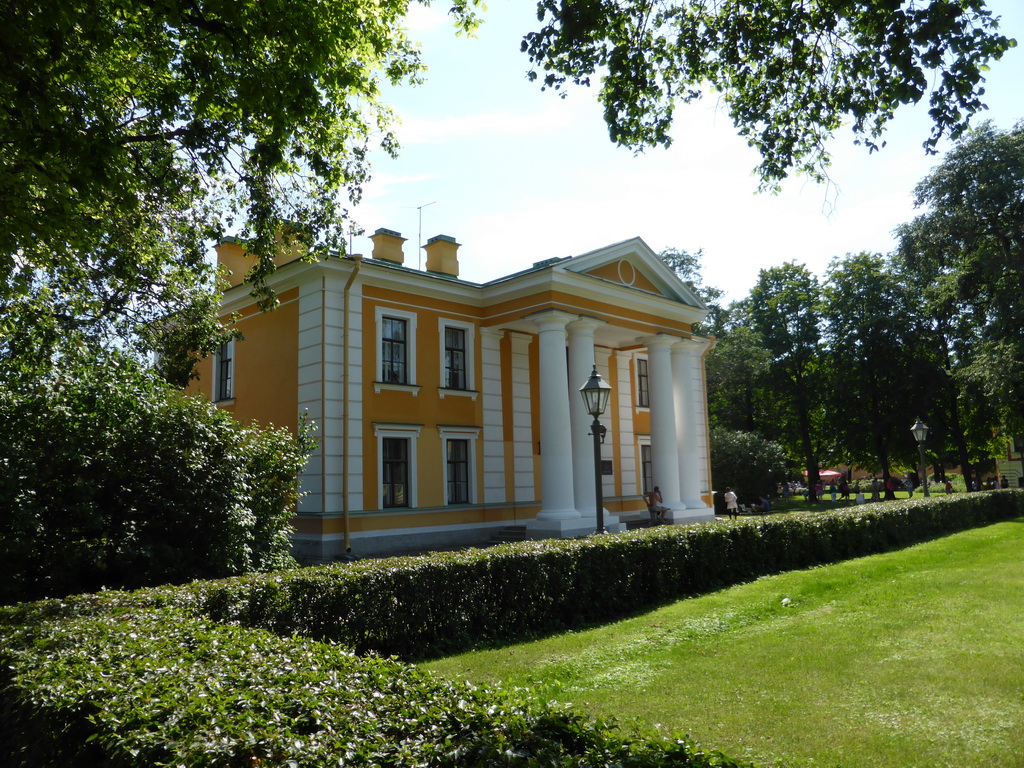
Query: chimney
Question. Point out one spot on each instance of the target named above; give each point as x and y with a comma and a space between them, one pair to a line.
387, 245
442, 255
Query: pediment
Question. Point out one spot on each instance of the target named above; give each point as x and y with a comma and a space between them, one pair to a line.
633, 264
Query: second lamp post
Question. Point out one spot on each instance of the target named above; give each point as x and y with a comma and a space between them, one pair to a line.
920, 432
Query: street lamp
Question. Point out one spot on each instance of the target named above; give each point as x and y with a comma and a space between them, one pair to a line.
595, 395
920, 432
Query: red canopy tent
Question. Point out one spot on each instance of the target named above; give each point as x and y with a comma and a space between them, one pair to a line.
828, 474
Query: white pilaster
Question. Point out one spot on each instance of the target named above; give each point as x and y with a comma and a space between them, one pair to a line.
664, 446
522, 420
321, 392
310, 390
625, 443
494, 427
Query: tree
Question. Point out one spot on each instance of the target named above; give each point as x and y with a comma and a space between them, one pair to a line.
737, 380
784, 311
960, 418
111, 477
687, 266
746, 462
883, 372
970, 247
132, 133
790, 73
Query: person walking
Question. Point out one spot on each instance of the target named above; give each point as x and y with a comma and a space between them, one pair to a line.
731, 507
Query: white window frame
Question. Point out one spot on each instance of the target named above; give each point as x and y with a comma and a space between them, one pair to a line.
214, 394
411, 432
470, 330
643, 441
410, 350
472, 434
637, 357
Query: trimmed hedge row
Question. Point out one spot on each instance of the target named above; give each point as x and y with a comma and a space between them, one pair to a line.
419, 607
101, 683
188, 677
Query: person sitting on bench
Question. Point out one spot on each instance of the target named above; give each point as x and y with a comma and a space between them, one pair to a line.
654, 505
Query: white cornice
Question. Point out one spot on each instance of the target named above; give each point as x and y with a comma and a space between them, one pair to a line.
568, 276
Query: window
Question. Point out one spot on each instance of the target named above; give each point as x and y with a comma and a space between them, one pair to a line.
223, 372
395, 366
646, 468
393, 351
396, 463
643, 391
458, 451
395, 470
458, 471
455, 358
457, 339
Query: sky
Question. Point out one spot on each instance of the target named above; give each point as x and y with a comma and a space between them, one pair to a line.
517, 175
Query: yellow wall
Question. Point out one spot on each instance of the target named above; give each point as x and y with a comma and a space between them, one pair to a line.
265, 366
426, 407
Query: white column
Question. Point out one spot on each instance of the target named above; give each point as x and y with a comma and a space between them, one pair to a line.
664, 446
684, 374
702, 443
581, 363
679, 374
556, 484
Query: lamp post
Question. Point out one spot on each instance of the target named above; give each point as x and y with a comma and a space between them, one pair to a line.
595, 395
920, 432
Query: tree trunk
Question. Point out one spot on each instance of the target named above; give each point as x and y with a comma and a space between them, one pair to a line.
805, 438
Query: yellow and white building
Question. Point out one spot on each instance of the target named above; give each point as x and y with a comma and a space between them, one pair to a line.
448, 410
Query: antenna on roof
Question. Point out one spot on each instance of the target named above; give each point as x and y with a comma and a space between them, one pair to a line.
419, 238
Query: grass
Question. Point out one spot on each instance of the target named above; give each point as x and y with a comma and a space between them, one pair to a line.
911, 658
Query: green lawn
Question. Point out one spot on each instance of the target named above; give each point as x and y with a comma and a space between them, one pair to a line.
912, 658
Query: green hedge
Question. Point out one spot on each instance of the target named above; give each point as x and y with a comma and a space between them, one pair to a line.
425, 606
103, 683
188, 676
110, 477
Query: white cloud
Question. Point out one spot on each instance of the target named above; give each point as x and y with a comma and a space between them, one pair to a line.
421, 130
422, 19
383, 184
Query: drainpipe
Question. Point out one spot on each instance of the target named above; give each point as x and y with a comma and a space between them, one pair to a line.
358, 258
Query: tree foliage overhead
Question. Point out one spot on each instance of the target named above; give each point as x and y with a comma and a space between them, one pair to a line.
131, 133
790, 72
